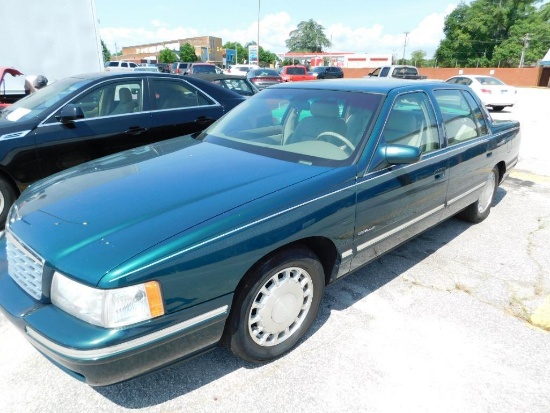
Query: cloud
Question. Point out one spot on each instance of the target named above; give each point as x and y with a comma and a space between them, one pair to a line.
275, 29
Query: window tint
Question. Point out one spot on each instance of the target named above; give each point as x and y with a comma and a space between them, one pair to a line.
169, 94
384, 71
412, 122
459, 119
115, 98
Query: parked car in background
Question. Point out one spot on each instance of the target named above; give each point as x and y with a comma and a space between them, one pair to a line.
120, 65
240, 69
295, 73
232, 237
396, 72
153, 69
80, 118
493, 92
264, 77
180, 68
164, 67
7, 99
238, 84
204, 68
327, 72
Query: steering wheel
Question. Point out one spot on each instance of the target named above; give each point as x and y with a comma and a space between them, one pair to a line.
341, 138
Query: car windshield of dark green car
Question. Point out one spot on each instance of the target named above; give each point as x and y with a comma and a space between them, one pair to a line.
41, 100
310, 126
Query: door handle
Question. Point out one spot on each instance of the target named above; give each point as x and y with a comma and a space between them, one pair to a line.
203, 120
135, 130
439, 173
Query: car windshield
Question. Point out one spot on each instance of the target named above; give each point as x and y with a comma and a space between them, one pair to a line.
308, 126
43, 99
488, 81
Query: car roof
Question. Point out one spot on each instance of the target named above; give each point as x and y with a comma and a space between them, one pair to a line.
364, 84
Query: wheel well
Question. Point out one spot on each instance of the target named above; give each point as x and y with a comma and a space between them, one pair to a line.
8, 179
322, 247
501, 166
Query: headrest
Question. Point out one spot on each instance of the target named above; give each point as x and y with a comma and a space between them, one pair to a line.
125, 95
325, 109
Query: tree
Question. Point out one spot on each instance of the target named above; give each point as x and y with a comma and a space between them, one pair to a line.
187, 53
487, 32
105, 51
418, 58
167, 56
308, 37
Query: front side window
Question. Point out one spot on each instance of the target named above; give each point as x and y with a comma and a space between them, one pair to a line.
116, 98
317, 127
412, 122
459, 118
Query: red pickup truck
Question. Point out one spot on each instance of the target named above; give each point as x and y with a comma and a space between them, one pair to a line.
295, 73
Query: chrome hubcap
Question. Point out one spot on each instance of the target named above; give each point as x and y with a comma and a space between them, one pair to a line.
280, 306
486, 197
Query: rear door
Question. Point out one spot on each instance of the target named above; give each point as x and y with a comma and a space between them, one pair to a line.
468, 145
395, 202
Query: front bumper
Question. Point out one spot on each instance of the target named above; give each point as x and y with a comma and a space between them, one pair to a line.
102, 356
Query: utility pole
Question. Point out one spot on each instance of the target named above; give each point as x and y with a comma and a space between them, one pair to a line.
405, 47
525, 39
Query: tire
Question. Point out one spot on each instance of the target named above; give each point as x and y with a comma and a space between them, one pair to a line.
498, 108
276, 305
7, 198
480, 209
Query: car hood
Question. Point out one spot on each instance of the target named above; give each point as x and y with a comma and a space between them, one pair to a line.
90, 219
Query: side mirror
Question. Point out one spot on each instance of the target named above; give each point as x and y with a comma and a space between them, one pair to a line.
70, 113
401, 154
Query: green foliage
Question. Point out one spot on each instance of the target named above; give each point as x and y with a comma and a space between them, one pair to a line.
489, 33
418, 58
167, 56
105, 51
308, 37
187, 53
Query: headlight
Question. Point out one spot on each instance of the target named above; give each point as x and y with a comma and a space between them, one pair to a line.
118, 307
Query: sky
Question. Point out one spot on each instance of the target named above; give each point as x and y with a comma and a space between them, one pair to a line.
360, 26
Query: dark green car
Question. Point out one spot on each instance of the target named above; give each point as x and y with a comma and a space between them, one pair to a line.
132, 262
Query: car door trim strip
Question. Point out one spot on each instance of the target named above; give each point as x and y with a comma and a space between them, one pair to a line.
123, 347
399, 228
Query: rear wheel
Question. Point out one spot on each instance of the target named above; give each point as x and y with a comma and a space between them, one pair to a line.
276, 305
7, 198
480, 209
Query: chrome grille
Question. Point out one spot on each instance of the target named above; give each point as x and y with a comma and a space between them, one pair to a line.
24, 267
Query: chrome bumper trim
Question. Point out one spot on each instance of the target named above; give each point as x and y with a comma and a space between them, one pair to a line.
100, 353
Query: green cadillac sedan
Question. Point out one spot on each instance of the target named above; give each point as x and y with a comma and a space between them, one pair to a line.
133, 262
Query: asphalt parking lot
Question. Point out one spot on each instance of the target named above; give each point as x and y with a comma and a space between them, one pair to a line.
456, 320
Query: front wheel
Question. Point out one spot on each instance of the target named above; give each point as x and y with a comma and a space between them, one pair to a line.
276, 305
480, 209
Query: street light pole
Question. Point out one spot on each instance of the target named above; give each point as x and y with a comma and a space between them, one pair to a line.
258, 43
404, 47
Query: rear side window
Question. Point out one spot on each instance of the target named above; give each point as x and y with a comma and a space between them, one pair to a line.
461, 120
170, 94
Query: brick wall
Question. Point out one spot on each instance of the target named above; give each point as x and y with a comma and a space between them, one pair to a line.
527, 76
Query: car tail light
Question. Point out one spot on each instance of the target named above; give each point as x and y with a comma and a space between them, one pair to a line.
483, 90
178, 71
